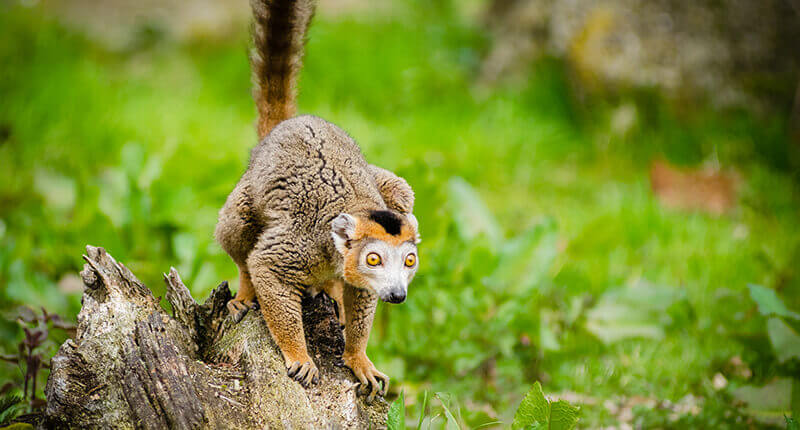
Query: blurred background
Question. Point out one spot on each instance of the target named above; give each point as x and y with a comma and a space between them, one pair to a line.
607, 191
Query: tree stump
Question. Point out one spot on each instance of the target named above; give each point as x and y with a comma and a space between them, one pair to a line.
134, 366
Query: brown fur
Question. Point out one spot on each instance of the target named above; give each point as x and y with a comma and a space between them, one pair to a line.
350, 270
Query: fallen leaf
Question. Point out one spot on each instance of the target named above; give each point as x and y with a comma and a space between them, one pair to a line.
707, 190
769, 304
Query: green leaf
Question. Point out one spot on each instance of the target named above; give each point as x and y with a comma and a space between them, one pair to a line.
452, 422
132, 158
636, 311
472, 217
563, 416
769, 304
59, 191
10, 407
536, 412
526, 260
547, 337
185, 247
534, 409
422, 410
112, 199
396, 419
785, 341
791, 423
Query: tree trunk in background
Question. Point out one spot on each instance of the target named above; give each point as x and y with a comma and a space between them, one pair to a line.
134, 366
794, 120
729, 52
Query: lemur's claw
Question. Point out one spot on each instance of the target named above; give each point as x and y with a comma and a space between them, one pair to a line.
305, 373
292, 370
372, 381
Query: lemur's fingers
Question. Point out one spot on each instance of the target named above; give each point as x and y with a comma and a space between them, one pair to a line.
371, 380
304, 373
240, 315
233, 306
238, 309
362, 380
292, 370
311, 374
373, 389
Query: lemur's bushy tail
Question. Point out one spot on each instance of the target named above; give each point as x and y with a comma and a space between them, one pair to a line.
279, 31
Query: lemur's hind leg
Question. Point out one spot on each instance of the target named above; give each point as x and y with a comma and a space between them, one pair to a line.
237, 232
277, 277
245, 296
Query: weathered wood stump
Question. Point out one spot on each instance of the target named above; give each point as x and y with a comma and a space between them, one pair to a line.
134, 366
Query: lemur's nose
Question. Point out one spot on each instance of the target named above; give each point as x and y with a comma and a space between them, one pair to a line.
398, 297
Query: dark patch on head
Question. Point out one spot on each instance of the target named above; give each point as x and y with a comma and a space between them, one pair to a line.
389, 220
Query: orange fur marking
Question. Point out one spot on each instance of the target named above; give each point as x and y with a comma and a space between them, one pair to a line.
367, 228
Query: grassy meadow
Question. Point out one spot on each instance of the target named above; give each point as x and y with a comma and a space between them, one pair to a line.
545, 255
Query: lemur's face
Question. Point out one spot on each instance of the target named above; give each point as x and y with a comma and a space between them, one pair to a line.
379, 252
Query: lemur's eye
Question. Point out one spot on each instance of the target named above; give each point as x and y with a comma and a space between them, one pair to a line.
411, 260
373, 259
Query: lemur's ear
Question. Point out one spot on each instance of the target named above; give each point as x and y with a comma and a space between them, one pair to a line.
414, 223
343, 230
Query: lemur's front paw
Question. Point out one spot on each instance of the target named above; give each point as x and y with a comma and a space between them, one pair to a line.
305, 372
238, 309
367, 374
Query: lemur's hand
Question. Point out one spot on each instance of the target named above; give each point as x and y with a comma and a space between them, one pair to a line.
238, 309
367, 374
303, 371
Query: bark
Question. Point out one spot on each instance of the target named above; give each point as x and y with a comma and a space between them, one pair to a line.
132, 365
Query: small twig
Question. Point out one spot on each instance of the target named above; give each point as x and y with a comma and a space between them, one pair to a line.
352, 387
228, 399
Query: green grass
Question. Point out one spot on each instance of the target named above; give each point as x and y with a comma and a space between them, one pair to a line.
136, 151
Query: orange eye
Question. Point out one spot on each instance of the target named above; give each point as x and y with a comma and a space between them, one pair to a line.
411, 260
373, 259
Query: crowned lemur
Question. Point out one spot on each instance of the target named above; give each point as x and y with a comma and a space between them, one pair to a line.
310, 213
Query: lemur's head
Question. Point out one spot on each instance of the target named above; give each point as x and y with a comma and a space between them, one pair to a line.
379, 250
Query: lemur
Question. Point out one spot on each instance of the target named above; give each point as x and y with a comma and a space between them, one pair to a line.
311, 214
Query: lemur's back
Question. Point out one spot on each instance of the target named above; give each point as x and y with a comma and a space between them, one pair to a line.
311, 169
303, 174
